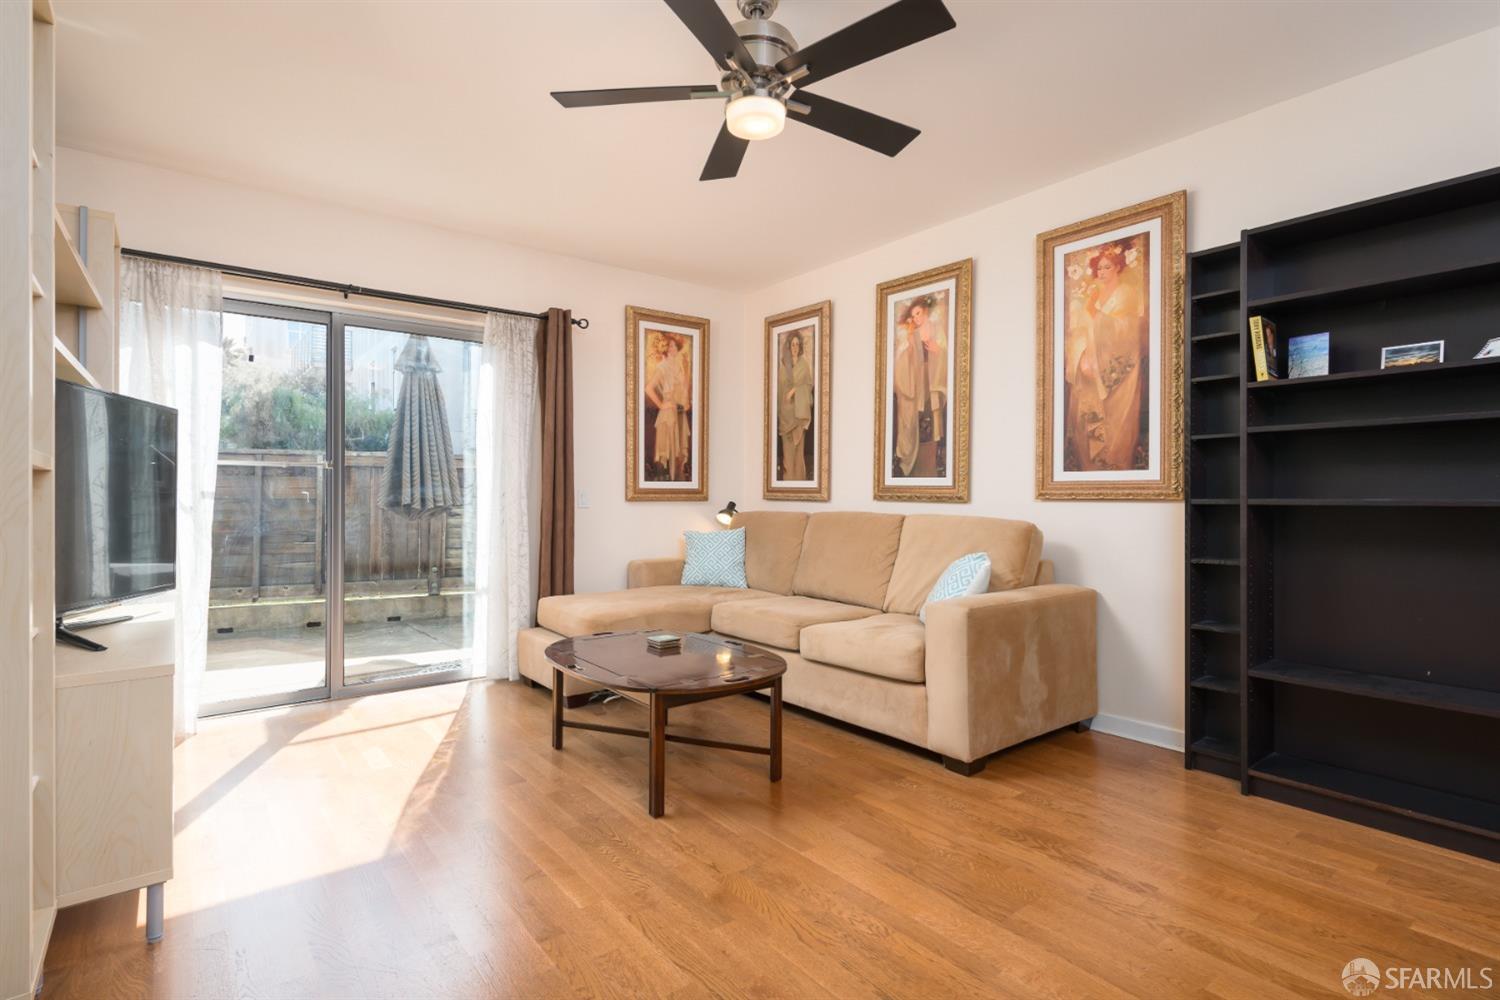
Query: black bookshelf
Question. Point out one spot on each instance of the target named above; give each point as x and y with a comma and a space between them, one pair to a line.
1367, 531
1214, 448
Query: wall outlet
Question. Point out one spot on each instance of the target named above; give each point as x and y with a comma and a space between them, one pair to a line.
584, 500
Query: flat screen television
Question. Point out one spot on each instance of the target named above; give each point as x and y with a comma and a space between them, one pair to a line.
115, 462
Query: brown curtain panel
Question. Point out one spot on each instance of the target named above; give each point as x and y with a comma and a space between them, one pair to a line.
554, 356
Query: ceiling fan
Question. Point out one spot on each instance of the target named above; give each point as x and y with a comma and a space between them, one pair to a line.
762, 72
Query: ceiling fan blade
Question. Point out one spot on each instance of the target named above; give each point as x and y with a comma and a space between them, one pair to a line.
629, 95
903, 23
724, 159
847, 122
705, 20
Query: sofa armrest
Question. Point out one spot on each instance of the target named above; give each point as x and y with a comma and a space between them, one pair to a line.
653, 572
1007, 666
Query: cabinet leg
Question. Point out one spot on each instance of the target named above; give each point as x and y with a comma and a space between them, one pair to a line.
154, 908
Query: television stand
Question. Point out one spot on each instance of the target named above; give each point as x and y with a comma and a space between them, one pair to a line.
68, 637
68, 632
99, 622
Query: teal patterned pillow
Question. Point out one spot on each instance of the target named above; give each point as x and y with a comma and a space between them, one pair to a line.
964, 576
715, 559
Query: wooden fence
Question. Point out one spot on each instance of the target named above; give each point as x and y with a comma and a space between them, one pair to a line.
269, 526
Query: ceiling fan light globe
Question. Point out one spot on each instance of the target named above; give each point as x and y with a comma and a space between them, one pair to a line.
755, 117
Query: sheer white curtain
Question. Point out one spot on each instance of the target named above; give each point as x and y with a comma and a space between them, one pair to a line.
502, 559
171, 352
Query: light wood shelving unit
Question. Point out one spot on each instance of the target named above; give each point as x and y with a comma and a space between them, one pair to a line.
46, 285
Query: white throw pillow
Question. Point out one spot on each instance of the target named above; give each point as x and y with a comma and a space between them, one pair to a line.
965, 576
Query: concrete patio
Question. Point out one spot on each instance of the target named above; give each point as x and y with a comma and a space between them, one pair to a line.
256, 663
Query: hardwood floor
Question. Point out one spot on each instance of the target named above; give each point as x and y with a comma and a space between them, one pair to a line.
431, 843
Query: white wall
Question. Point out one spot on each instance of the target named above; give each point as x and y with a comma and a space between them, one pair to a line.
169, 212
1430, 117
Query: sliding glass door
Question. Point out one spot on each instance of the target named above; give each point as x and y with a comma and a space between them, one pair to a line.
408, 424
268, 592
343, 528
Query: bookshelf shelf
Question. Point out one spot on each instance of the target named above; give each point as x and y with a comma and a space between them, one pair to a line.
1212, 682
1226, 377
1410, 283
1479, 502
1441, 696
1210, 625
69, 368
1205, 561
1215, 293
1401, 798
1206, 338
1220, 436
1211, 746
1400, 421
1415, 372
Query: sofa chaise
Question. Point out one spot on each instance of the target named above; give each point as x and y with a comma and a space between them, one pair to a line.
837, 594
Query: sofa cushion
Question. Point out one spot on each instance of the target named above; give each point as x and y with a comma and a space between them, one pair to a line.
773, 544
930, 542
779, 621
678, 608
847, 557
893, 646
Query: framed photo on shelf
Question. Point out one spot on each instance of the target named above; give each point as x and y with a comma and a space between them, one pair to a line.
798, 366
1428, 352
1109, 355
666, 405
922, 361
1491, 349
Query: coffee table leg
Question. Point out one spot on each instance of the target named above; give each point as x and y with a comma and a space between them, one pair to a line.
657, 772
557, 708
776, 730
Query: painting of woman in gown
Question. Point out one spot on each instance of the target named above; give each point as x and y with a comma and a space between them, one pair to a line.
1109, 355
922, 385
796, 387
1106, 357
666, 400
794, 406
669, 390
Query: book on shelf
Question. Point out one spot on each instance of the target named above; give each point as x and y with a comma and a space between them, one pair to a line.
1263, 345
1307, 355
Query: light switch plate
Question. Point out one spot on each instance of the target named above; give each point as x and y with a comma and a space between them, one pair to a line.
583, 499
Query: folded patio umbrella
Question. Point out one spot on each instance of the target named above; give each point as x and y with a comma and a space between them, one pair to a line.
420, 476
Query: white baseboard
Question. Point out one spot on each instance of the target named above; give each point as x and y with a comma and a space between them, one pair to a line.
1141, 732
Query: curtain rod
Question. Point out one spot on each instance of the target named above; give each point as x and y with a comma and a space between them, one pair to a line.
334, 286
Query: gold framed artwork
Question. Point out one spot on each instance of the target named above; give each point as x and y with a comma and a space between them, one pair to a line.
798, 363
666, 405
1109, 355
922, 363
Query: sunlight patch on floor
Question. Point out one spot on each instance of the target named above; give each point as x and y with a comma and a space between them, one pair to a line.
301, 791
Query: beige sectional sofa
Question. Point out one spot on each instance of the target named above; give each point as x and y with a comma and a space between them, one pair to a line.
837, 595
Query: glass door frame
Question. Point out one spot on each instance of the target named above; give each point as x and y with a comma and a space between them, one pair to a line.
339, 687
332, 470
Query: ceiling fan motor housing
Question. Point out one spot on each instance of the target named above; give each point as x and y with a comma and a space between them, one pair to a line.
767, 42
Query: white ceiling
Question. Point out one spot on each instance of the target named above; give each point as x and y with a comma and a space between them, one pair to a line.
439, 111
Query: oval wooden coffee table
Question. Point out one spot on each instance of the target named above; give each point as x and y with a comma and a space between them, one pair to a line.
703, 668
